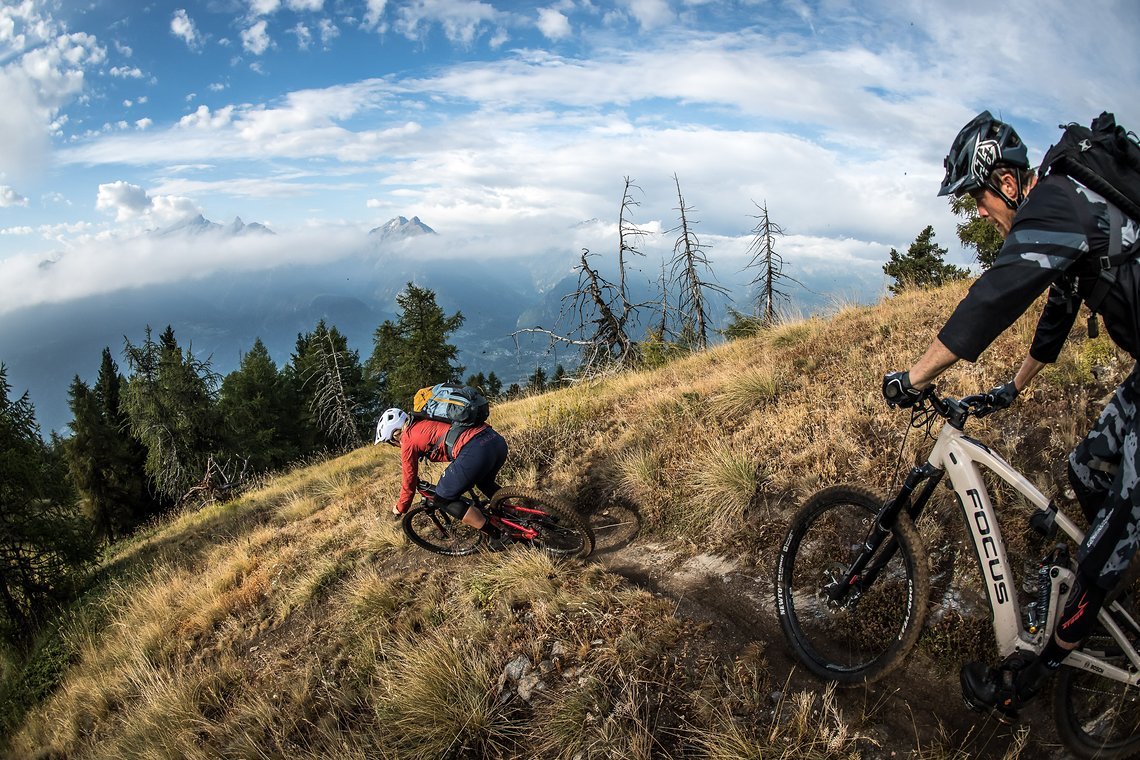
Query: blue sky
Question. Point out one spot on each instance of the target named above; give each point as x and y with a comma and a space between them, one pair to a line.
504, 125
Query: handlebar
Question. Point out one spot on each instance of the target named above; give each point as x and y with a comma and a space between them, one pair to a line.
955, 410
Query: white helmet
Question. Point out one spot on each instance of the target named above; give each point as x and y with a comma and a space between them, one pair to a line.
390, 421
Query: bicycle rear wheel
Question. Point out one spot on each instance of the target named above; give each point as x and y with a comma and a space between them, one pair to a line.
868, 632
1097, 717
433, 529
561, 532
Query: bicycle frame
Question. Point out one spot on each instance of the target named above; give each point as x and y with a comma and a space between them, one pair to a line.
961, 457
427, 491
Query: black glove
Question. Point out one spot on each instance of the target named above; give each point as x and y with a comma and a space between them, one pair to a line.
1002, 396
898, 391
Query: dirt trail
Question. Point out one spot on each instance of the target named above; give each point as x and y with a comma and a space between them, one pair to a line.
909, 711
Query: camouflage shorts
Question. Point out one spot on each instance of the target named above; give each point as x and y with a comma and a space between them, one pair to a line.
1105, 463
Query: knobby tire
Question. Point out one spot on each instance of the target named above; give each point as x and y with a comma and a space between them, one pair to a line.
867, 635
1097, 717
561, 531
435, 530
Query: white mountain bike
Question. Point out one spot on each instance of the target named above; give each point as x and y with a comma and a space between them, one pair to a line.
853, 586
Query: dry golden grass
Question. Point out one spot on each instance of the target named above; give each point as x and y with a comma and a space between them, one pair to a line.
297, 621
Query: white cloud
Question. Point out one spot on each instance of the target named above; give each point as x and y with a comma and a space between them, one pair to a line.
461, 20
553, 24
312, 6
44, 70
131, 203
328, 30
374, 15
122, 72
183, 27
255, 39
144, 123
263, 7
203, 118
303, 35
9, 197
650, 14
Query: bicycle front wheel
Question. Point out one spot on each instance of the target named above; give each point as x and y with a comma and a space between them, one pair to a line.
435, 530
1095, 716
865, 633
559, 530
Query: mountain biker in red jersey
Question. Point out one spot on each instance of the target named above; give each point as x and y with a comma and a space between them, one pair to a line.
1053, 227
476, 458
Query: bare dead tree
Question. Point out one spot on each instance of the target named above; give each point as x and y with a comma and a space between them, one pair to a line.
601, 311
629, 236
689, 260
330, 403
770, 277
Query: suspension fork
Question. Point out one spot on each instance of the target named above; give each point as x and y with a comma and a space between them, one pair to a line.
870, 562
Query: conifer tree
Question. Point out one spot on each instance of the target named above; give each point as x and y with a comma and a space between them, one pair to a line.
413, 352
106, 463
170, 401
260, 410
494, 386
45, 545
689, 263
922, 266
975, 232
536, 382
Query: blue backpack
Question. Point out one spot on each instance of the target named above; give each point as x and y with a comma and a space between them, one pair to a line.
461, 406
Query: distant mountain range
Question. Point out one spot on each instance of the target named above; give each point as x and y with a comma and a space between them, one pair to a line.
199, 225
44, 347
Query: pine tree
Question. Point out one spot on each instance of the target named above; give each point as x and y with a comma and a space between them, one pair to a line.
45, 545
106, 463
536, 382
922, 266
170, 401
976, 232
413, 352
260, 410
558, 378
494, 386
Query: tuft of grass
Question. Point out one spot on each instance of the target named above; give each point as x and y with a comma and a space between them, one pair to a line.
639, 473
514, 577
749, 390
723, 483
441, 701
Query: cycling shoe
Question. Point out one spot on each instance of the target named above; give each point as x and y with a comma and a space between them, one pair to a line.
1002, 690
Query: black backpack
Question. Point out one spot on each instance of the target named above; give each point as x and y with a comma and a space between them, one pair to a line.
1106, 159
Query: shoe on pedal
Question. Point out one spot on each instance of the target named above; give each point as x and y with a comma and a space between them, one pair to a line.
979, 686
1002, 690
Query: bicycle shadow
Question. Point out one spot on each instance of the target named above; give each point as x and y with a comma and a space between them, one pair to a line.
615, 527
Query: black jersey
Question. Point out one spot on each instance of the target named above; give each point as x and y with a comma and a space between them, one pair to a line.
1056, 235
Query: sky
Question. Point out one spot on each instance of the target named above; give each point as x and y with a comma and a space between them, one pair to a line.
505, 125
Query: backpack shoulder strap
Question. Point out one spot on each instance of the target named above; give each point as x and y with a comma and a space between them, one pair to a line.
1106, 278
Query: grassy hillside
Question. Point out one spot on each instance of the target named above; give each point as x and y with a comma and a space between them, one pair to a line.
297, 622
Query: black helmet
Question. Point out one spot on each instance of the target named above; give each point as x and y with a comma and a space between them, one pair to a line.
982, 146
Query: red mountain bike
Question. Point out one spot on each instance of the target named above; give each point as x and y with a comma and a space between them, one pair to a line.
529, 517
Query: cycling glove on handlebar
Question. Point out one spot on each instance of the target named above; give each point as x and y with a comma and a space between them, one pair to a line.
898, 391
1002, 396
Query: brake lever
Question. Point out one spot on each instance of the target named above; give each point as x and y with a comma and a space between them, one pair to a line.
980, 404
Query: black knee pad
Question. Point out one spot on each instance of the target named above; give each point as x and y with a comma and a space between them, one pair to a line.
1091, 501
455, 508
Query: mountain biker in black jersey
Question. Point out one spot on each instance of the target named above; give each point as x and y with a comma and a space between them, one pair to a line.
1053, 227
